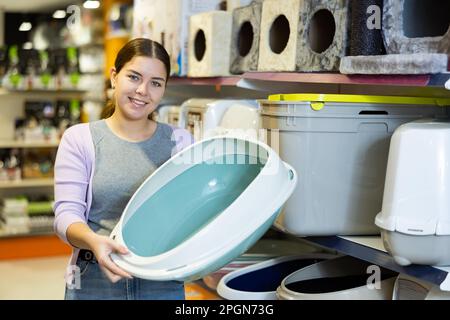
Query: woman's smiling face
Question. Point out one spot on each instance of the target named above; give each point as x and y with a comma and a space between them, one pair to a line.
139, 87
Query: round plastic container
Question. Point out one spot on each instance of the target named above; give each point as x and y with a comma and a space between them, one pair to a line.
264, 249
343, 278
410, 288
260, 281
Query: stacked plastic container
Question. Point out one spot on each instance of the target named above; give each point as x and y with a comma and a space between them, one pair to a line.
339, 146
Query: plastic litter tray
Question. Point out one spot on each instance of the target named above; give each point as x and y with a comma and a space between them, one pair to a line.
203, 208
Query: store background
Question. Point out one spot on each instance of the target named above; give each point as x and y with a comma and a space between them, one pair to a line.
46, 86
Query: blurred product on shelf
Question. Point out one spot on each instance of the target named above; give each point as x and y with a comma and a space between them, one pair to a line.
24, 214
14, 217
85, 31
40, 214
120, 20
10, 165
45, 74
73, 72
92, 59
37, 164
65, 68
51, 69
28, 66
13, 78
170, 26
29, 164
46, 121
169, 114
3, 62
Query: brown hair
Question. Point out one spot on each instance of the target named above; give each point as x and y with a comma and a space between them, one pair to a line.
139, 47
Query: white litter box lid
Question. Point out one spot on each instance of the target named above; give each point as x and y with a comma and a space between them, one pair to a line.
216, 111
241, 117
416, 199
209, 113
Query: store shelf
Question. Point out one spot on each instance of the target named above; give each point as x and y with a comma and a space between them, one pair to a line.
260, 84
4, 235
32, 246
435, 80
371, 249
28, 144
77, 92
27, 183
212, 81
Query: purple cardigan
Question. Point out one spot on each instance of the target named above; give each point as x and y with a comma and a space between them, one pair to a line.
74, 169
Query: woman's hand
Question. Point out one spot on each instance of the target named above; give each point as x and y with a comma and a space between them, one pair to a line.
102, 247
81, 236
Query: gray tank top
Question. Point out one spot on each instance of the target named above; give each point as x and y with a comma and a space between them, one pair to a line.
120, 168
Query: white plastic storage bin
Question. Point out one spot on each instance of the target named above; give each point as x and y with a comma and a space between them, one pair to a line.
343, 278
339, 146
205, 118
169, 114
260, 281
415, 216
193, 113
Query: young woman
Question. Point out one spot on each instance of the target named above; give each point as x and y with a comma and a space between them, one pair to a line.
101, 164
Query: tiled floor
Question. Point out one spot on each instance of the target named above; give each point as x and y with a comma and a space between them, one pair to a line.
43, 278
32, 279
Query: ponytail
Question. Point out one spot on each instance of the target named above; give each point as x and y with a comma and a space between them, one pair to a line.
108, 110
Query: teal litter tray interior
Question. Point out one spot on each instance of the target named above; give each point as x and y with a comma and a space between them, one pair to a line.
187, 203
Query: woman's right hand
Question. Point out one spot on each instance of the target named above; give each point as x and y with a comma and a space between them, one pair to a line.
102, 247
